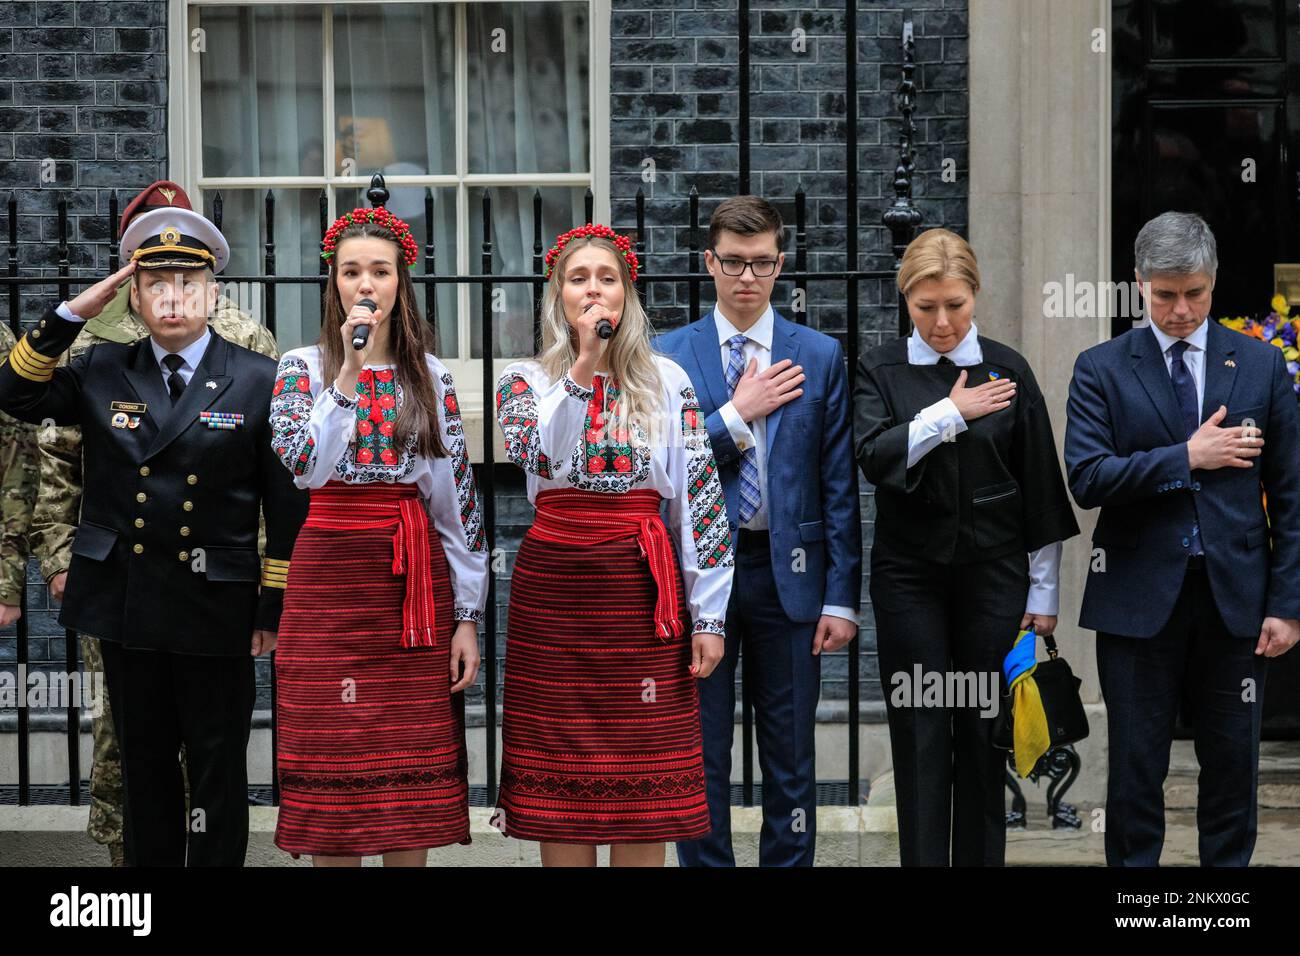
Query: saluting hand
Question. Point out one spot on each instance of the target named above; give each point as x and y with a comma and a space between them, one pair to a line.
91, 301
983, 399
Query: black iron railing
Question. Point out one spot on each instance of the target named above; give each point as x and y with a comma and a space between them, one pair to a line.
901, 217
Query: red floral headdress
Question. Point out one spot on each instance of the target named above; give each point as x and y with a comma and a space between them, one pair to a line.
380, 217
622, 243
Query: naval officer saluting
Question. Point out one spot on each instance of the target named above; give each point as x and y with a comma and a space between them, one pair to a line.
178, 465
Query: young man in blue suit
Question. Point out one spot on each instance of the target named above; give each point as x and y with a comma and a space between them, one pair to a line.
1174, 430
776, 400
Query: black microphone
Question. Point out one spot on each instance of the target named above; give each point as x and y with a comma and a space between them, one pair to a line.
362, 332
604, 328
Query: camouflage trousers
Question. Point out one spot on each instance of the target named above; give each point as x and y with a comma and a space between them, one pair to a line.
105, 826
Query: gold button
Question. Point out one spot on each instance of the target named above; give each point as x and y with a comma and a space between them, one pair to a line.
185, 532
36, 333
138, 549
192, 479
42, 323
184, 555
188, 506
139, 522
144, 471
141, 497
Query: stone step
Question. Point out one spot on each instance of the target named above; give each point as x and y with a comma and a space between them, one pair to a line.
1279, 775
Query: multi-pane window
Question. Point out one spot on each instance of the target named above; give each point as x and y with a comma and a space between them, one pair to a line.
454, 97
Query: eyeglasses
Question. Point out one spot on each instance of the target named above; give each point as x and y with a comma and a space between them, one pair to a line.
762, 268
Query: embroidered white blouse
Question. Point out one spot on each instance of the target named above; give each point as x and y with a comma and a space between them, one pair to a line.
321, 434
556, 432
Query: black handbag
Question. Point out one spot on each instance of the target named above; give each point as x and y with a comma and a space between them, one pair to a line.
1059, 688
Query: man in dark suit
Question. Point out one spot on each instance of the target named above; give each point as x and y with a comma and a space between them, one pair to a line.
776, 400
1174, 431
178, 466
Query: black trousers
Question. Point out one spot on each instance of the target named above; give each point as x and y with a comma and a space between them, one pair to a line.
949, 779
1220, 680
159, 701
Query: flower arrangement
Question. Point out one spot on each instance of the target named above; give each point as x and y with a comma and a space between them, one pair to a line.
1278, 328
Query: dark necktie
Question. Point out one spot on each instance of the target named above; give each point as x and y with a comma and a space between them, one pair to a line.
1185, 392
944, 360
175, 384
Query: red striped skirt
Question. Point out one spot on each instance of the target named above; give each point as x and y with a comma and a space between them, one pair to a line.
370, 745
601, 718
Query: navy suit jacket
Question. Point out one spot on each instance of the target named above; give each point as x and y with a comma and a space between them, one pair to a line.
812, 482
1126, 452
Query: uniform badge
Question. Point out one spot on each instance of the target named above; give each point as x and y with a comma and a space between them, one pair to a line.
224, 421
120, 420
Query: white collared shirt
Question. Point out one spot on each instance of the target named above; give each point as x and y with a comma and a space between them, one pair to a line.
192, 353
926, 431
754, 434
1193, 357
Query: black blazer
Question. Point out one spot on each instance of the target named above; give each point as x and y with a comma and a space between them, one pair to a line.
165, 555
994, 490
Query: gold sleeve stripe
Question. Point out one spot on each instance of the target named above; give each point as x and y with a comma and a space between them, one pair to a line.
275, 573
31, 364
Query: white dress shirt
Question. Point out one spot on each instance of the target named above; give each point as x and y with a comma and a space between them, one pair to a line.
192, 353
754, 434
926, 431
1193, 357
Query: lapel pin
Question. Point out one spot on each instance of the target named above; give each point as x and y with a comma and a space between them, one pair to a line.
209, 384
120, 420
1230, 363
994, 376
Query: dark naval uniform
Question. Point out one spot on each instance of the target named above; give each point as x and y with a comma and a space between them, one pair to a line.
165, 566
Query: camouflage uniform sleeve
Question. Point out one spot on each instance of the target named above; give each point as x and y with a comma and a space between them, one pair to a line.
58, 507
19, 480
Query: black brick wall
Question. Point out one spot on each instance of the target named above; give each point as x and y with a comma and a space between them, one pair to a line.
83, 92
84, 84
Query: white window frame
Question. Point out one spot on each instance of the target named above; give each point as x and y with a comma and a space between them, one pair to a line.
185, 149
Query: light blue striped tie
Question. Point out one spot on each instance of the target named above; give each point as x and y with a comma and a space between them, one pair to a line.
750, 497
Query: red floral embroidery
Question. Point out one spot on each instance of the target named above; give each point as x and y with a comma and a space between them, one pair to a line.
595, 463
623, 463
376, 417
